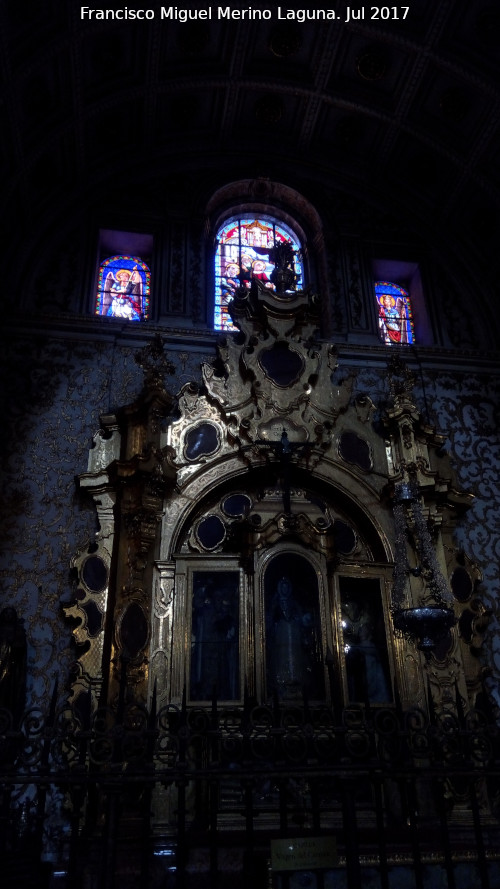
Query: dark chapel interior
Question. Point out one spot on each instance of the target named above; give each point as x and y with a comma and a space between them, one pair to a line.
250, 599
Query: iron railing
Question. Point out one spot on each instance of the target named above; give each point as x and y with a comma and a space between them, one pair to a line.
167, 798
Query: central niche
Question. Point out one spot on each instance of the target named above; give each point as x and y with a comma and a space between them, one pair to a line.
294, 660
282, 365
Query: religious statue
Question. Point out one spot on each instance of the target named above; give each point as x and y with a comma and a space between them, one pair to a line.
291, 646
367, 677
214, 633
283, 275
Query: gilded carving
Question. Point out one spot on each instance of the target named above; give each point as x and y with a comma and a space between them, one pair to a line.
268, 419
154, 363
88, 668
106, 448
425, 510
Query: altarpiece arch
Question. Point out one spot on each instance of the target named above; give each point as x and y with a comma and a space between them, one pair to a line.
269, 559
266, 462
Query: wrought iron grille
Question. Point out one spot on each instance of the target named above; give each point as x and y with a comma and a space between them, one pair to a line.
142, 789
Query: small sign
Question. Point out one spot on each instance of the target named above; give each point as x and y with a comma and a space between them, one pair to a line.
304, 853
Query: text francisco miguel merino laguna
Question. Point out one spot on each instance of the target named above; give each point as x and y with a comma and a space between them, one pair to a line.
224, 12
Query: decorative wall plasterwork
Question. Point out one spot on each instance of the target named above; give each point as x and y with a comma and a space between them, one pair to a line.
53, 396
467, 408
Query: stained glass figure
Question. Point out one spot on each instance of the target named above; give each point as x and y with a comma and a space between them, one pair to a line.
243, 248
123, 288
394, 313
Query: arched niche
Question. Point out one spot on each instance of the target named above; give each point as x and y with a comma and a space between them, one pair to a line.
247, 628
293, 625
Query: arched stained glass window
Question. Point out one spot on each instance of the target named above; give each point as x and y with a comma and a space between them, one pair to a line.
123, 288
394, 313
243, 246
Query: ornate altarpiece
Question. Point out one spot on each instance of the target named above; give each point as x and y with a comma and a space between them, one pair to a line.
247, 548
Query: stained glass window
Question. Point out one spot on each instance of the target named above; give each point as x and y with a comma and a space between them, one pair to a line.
123, 288
243, 246
394, 313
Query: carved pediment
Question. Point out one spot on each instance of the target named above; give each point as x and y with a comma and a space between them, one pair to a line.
276, 373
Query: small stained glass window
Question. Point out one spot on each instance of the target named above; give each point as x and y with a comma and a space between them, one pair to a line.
394, 313
123, 288
243, 247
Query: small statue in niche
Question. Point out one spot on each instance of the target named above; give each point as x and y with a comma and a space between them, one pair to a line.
291, 646
365, 662
12, 663
214, 647
283, 275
